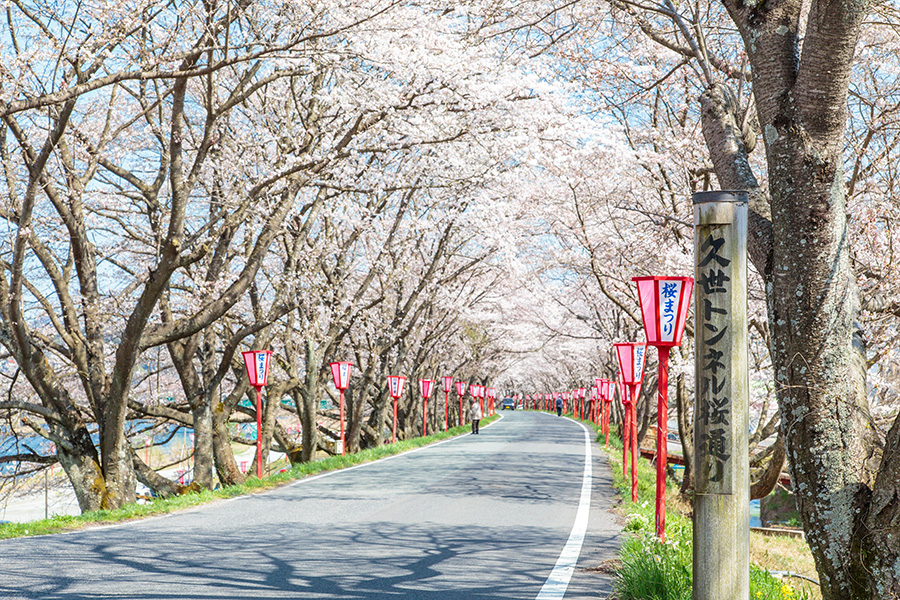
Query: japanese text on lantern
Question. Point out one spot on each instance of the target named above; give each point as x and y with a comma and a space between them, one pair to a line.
669, 293
713, 419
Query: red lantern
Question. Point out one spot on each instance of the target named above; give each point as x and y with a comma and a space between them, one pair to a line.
664, 306
477, 391
632, 357
257, 364
425, 387
630, 438
395, 387
461, 391
340, 372
448, 386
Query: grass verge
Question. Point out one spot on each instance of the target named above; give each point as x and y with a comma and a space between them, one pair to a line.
160, 506
654, 571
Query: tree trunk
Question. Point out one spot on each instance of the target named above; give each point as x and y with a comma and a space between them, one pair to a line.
161, 485
82, 467
880, 543
226, 467
355, 404
767, 481
204, 457
118, 472
645, 409
292, 451
309, 394
382, 417
685, 434
817, 353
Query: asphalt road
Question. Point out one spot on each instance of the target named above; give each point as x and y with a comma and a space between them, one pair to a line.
485, 516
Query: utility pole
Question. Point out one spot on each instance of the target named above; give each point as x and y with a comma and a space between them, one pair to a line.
721, 410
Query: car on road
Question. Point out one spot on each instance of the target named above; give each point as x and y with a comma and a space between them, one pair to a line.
508, 403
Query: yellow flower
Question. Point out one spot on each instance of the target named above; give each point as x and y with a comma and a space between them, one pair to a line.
787, 591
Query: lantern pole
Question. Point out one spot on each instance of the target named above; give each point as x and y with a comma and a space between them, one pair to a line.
340, 372
664, 303
446, 410
425, 387
608, 406
394, 430
461, 391
342, 422
258, 432
634, 443
257, 365
662, 426
626, 431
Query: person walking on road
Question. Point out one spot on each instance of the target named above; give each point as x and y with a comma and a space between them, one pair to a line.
475, 415
559, 407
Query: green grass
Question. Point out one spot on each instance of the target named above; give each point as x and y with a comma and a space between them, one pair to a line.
654, 571
159, 506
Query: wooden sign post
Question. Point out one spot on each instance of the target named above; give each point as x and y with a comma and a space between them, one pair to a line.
721, 410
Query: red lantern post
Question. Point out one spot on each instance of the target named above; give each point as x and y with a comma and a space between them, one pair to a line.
448, 386
665, 302
340, 372
257, 364
582, 394
461, 391
632, 356
478, 392
606, 397
626, 425
425, 386
395, 387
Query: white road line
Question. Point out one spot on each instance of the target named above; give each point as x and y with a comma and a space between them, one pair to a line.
558, 582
